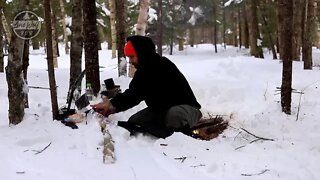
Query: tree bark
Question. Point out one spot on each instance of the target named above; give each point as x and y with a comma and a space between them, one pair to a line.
159, 28
54, 39
121, 35
52, 81
65, 35
76, 41
91, 45
297, 31
15, 80
5, 27
255, 49
246, 28
1, 43
142, 18
285, 9
309, 29
113, 28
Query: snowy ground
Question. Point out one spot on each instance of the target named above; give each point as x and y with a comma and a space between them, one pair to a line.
229, 83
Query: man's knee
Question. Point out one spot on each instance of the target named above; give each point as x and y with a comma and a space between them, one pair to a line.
182, 116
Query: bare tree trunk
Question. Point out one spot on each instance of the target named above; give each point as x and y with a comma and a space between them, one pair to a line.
296, 44
25, 65
246, 28
52, 81
224, 24
76, 41
240, 26
121, 35
14, 75
142, 18
215, 28
65, 35
5, 27
113, 28
159, 28
15, 80
255, 48
141, 27
265, 19
90, 44
1, 43
285, 9
309, 28
54, 39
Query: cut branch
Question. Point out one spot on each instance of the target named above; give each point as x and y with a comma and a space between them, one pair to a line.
38, 152
256, 174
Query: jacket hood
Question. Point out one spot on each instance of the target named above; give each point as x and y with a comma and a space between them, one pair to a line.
144, 47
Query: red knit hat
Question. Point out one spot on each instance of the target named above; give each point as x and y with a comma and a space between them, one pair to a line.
129, 49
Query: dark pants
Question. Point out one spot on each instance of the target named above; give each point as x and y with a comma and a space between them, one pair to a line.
178, 118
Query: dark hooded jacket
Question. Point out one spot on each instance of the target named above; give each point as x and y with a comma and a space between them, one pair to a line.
157, 81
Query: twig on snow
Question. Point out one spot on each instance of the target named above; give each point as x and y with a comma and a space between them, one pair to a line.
260, 138
257, 139
38, 152
256, 174
198, 165
181, 158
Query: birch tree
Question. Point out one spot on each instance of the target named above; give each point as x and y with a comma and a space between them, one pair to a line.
141, 27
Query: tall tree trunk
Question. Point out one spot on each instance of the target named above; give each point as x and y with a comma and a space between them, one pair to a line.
54, 39
52, 81
143, 17
76, 41
159, 28
141, 27
121, 35
296, 44
1, 43
285, 9
309, 29
25, 65
6, 27
215, 27
112, 7
14, 75
15, 80
64, 27
255, 48
246, 28
224, 24
91, 45
240, 26
265, 21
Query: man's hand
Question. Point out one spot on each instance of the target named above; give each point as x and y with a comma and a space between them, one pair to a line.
105, 108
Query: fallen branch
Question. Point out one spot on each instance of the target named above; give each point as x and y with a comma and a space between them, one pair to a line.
38, 152
181, 158
260, 138
255, 140
39, 87
256, 174
198, 165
